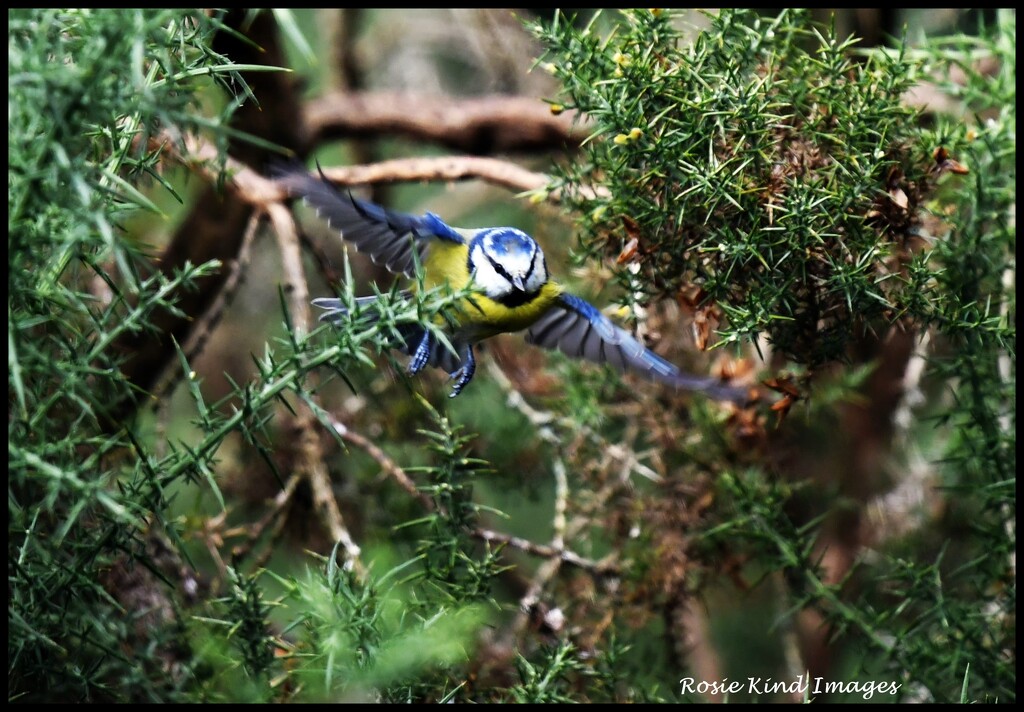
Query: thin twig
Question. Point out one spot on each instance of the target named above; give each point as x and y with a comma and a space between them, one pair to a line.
543, 420
561, 504
312, 466
387, 464
701, 657
907, 506
203, 327
528, 603
405, 482
255, 532
550, 569
792, 657
213, 540
604, 567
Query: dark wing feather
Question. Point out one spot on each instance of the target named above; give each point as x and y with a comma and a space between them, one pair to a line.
576, 328
388, 237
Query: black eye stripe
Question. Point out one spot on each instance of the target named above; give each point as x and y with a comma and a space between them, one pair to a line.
533, 263
499, 268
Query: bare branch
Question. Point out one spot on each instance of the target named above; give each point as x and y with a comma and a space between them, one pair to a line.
260, 191
451, 168
548, 552
311, 465
255, 531
205, 324
201, 157
295, 286
561, 504
481, 125
387, 464
543, 421
443, 168
405, 482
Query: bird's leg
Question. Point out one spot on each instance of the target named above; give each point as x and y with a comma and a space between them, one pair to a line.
422, 354
465, 372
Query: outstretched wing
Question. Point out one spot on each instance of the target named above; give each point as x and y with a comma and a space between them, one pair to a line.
576, 328
388, 237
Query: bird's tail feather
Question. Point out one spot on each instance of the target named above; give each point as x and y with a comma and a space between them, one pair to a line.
709, 386
336, 311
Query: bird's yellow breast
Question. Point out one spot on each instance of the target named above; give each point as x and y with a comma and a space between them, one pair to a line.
448, 262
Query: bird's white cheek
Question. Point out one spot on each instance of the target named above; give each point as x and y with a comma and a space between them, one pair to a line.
537, 279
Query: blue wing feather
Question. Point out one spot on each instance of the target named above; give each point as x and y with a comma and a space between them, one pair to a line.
387, 236
577, 328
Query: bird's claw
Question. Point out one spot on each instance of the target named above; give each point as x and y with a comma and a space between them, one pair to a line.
421, 355
464, 373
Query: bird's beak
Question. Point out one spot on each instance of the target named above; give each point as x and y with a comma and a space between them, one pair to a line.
518, 283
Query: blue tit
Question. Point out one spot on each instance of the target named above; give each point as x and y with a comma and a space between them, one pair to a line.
506, 270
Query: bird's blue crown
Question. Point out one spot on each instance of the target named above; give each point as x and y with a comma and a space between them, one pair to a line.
508, 241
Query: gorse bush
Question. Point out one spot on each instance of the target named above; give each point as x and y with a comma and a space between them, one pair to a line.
83, 87
88, 496
762, 162
784, 174
763, 171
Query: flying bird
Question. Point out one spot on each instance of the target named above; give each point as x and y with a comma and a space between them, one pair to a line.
508, 274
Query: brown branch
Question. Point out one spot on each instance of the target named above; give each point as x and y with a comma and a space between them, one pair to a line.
201, 157
259, 191
255, 531
205, 324
313, 467
451, 168
389, 466
295, 285
566, 556
528, 604
482, 125
543, 421
349, 75
265, 196
689, 622
442, 168
394, 471
310, 462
